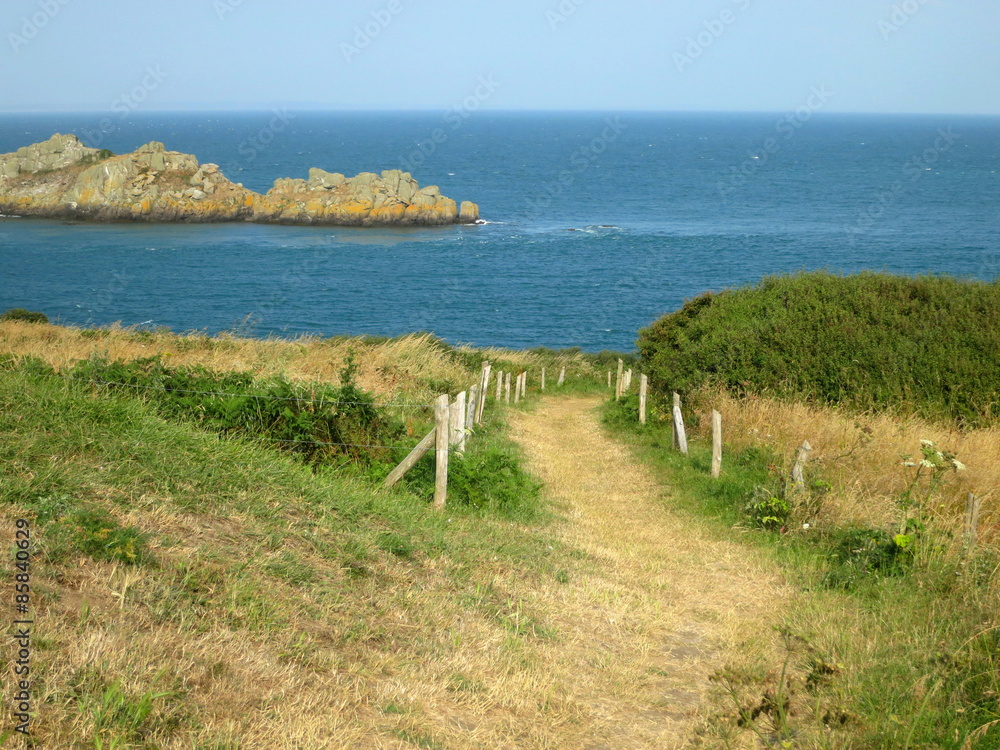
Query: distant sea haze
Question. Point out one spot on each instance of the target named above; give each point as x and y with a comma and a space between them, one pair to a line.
598, 222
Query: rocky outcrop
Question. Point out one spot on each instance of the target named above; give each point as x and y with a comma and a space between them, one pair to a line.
65, 179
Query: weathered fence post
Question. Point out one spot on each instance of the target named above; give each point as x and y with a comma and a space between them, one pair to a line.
484, 383
971, 521
677, 405
499, 384
441, 412
798, 470
562, 377
716, 444
543, 380
628, 380
682, 441
619, 380
524, 384
506, 387
643, 386
456, 425
470, 416
517, 389
408, 463
609, 378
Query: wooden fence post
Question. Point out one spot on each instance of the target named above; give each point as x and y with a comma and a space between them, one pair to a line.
517, 389
798, 470
628, 380
677, 405
716, 444
524, 384
971, 521
456, 425
543, 380
562, 377
506, 387
619, 380
470, 411
441, 451
484, 383
415, 455
499, 384
609, 378
682, 441
643, 386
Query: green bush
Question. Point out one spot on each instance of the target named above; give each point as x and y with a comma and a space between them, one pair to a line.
19, 313
928, 345
487, 478
316, 420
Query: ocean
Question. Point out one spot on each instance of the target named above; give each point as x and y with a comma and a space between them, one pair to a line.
597, 223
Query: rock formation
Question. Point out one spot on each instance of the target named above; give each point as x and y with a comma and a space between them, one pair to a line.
62, 178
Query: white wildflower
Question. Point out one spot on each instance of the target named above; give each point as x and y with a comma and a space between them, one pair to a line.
927, 443
927, 464
908, 463
940, 455
959, 466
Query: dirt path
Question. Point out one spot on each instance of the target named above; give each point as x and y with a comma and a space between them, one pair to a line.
662, 606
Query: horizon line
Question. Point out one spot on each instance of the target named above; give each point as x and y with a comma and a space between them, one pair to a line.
312, 109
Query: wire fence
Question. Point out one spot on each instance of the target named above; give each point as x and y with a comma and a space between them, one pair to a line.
258, 438
260, 396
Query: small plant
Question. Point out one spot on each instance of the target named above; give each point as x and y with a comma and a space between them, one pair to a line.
766, 510
119, 717
857, 554
96, 533
929, 474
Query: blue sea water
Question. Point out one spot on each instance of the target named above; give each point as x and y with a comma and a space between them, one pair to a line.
598, 223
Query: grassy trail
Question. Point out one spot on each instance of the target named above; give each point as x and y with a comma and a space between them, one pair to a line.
663, 606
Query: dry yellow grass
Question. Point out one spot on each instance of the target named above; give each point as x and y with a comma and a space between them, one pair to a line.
665, 604
395, 369
392, 368
861, 456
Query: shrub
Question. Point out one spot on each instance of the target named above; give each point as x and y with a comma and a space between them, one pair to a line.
489, 478
859, 553
19, 313
315, 420
929, 344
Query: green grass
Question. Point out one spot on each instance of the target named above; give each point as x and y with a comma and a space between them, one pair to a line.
287, 545
913, 638
928, 345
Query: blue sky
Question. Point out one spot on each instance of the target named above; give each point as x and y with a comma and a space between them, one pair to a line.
934, 56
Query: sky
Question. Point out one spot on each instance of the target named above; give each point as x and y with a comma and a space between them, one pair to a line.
909, 56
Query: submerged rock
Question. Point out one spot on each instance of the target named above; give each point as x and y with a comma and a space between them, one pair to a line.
62, 178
